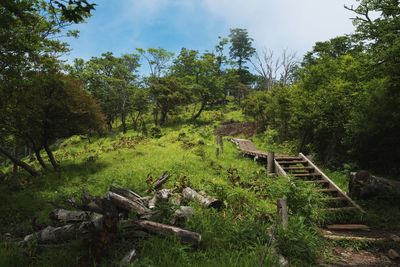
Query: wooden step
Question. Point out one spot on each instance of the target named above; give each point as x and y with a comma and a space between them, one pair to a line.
341, 209
292, 162
305, 174
317, 182
348, 227
336, 199
299, 168
288, 158
326, 190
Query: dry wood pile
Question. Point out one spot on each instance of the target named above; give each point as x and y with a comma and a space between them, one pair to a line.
101, 219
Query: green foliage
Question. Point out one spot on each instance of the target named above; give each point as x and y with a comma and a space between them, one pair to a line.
299, 242
241, 49
112, 80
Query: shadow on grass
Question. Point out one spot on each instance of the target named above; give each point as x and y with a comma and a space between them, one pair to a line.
23, 198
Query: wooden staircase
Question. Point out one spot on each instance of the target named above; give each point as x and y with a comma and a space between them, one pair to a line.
302, 168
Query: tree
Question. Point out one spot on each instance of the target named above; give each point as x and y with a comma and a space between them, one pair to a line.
112, 80
168, 93
219, 51
49, 107
201, 75
28, 41
376, 121
270, 68
157, 58
241, 49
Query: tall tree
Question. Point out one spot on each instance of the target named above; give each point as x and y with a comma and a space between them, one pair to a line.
241, 49
201, 74
112, 80
158, 60
28, 40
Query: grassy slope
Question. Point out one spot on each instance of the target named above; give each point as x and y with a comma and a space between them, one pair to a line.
234, 237
230, 238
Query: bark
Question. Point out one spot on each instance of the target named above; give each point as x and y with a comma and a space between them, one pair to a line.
163, 194
205, 201
123, 120
129, 258
101, 227
70, 216
51, 157
126, 204
364, 185
203, 105
60, 234
182, 214
185, 236
40, 159
129, 194
18, 162
160, 181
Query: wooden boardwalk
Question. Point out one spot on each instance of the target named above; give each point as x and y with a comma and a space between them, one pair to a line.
300, 167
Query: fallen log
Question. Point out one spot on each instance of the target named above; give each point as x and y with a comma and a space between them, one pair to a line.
182, 214
205, 201
129, 194
160, 181
126, 204
162, 194
185, 236
348, 227
364, 185
129, 258
60, 234
70, 216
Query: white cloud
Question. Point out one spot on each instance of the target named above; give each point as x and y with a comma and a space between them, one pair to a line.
278, 24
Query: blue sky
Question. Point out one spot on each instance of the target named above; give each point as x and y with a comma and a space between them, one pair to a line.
120, 26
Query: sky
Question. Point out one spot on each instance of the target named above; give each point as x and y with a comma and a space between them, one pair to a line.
120, 26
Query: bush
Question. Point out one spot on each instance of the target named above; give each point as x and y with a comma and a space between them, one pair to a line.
155, 132
298, 242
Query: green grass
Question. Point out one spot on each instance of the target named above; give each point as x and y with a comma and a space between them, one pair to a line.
235, 236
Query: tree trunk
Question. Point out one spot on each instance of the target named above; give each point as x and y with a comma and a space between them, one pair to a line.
206, 202
185, 236
203, 105
123, 120
155, 116
51, 157
40, 159
126, 204
18, 162
109, 124
70, 216
163, 118
364, 185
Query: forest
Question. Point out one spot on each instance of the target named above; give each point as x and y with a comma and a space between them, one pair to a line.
73, 131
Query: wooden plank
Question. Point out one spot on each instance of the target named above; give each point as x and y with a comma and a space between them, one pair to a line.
270, 163
317, 182
348, 227
292, 162
278, 169
298, 168
332, 184
306, 174
341, 209
282, 210
288, 158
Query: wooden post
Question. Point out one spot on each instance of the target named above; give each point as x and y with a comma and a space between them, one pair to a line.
282, 209
221, 143
217, 152
271, 163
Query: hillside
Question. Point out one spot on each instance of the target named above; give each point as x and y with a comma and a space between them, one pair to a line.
236, 236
